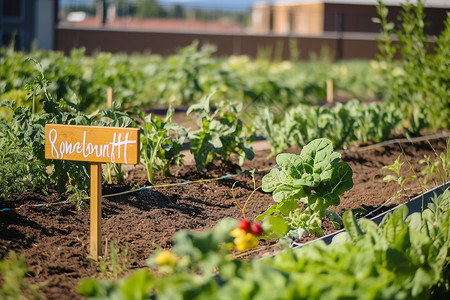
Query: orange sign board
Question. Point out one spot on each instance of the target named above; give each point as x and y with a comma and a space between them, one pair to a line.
92, 143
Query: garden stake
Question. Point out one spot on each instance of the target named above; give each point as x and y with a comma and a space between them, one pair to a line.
96, 145
330, 94
96, 210
109, 97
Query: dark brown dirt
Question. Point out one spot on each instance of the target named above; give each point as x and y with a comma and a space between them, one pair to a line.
54, 238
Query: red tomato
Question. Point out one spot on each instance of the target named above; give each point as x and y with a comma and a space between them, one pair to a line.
256, 229
245, 225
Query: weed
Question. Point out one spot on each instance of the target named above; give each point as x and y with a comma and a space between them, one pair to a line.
114, 263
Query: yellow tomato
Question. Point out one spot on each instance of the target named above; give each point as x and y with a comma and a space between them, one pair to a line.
243, 240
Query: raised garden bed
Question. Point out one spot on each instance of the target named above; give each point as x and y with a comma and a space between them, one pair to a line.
54, 237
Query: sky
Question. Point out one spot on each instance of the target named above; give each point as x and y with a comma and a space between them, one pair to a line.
227, 4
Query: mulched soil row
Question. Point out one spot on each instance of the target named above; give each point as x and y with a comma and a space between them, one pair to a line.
54, 239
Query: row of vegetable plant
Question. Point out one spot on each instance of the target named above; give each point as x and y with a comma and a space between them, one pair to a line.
405, 257
353, 122
181, 79
220, 135
35, 101
220, 132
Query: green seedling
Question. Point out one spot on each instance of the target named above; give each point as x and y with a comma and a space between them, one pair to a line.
397, 177
439, 168
114, 263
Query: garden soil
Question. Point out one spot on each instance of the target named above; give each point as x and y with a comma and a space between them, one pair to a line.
54, 238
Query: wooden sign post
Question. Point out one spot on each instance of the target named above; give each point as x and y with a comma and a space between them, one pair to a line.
330, 91
96, 145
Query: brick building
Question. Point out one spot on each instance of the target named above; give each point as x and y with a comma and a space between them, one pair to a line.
318, 17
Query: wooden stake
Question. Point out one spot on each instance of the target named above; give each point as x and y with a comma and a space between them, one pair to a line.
109, 97
74, 142
96, 210
330, 92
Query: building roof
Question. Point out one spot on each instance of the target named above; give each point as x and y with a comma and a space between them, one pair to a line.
427, 3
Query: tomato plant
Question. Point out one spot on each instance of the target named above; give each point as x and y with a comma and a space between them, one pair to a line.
161, 144
220, 134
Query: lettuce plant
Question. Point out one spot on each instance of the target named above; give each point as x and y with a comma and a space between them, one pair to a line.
304, 186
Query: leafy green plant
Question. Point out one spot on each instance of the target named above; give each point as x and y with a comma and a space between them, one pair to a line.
12, 280
417, 82
161, 144
373, 122
304, 186
188, 269
405, 257
220, 134
22, 98
272, 131
353, 122
343, 126
20, 169
182, 78
396, 168
29, 128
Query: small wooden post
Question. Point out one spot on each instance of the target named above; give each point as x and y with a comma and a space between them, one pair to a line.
109, 97
96, 210
330, 92
96, 145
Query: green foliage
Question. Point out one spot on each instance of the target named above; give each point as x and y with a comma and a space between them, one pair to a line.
373, 122
136, 287
6, 113
186, 77
12, 280
396, 168
29, 127
183, 78
403, 258
353, 122
196, 255
161, 144
438, 168
417, 82
22, 98
305, 186
20, 169
278, 136
148, 9
220, 134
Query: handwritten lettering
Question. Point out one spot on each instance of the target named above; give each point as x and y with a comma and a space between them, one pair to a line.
60, 148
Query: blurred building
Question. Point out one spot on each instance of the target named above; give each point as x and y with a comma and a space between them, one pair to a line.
26, 21
317, 17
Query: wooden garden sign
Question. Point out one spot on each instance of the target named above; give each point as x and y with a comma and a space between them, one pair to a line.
96, 145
